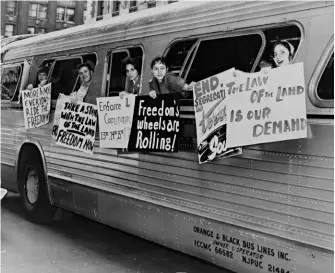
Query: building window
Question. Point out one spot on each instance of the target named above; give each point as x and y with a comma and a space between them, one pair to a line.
133, 6
151, 4
33, 10
42, 11
9, 30
116, 8
100, 8
60, 15
31, 30
11, 8
42, 30
69, 15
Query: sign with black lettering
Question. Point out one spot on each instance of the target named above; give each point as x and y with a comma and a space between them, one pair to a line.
210, 115
267, 107
115, 119
77, 125
36, 106
155, 124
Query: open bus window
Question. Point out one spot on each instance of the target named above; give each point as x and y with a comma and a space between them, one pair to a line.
291, 33
116, 79
218, 55
10, 78
325, 90
177, 54
64, 76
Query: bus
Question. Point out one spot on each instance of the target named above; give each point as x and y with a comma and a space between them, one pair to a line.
269, 209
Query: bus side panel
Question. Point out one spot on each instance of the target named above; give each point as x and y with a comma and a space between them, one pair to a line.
238, 249
284, 189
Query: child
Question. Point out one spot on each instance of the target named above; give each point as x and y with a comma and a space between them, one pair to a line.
163, 82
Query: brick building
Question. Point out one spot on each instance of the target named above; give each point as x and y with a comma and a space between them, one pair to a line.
34, 17
104, 10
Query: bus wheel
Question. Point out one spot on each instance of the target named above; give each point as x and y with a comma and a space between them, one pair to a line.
33, 189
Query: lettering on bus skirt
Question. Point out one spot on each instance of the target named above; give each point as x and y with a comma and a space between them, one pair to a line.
210, 114
155, 124
267, 107
264, 258
115, 120
36, 106
77, 125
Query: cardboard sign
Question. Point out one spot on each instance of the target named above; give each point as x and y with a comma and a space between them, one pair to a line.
36, 106
115, 119
60, 103
77, 126
155, 124
267, 107
210, 114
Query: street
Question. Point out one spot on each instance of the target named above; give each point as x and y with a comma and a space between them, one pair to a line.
76, 244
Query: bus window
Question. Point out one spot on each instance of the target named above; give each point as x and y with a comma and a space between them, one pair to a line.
325, 90
290, 33
116, 78
10, 78
217, 55
177, 54
64, 76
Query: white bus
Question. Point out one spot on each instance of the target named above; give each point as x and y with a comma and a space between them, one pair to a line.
267, 210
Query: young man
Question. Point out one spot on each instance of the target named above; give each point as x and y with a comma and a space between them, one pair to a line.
85, 72
164, 82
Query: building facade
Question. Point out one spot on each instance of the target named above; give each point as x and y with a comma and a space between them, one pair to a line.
34, 17
104, 10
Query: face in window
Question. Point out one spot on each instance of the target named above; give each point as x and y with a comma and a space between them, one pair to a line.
85, 74
42, 76
159, 71
281, 55
131, 72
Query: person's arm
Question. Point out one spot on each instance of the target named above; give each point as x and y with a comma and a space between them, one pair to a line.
152, 88
178, 84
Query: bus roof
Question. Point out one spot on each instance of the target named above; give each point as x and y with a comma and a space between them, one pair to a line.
164, 19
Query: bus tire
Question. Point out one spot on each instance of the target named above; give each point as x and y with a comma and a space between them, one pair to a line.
33, 188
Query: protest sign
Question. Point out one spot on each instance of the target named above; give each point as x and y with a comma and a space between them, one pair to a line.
210, 101
115, 119
60, 103
36, 106
77, 126
267, 107
155, 124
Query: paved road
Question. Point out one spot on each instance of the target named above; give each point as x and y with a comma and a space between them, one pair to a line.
77, 244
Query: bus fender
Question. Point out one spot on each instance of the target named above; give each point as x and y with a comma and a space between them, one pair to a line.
38, 146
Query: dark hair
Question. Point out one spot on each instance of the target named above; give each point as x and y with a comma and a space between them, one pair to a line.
89, 64
134, 62
43, 70
159, 59
287, 45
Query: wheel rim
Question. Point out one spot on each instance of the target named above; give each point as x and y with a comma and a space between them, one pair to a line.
32, 183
